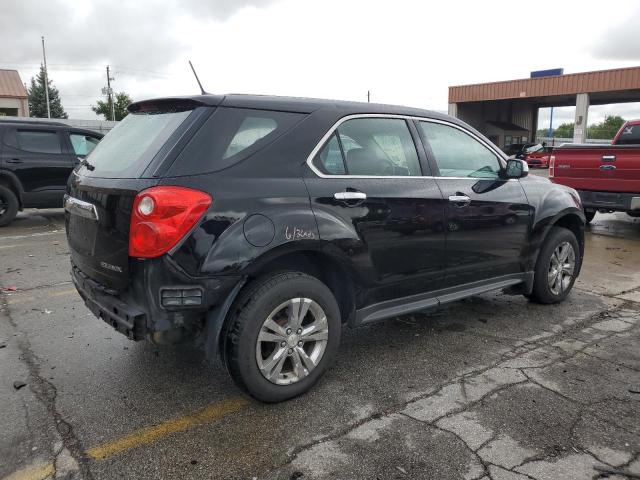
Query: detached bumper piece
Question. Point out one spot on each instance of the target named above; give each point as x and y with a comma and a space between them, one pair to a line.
124, 318
181, 297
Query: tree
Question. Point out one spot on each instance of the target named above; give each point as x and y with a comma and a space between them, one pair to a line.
565, 130
607, 129
543, 133
120, 106
38, 99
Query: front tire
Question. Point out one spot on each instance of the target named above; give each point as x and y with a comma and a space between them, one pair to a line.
9, 205
556, 267
283, 336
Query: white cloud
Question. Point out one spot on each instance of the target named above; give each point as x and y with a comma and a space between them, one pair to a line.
621, 40
405, 52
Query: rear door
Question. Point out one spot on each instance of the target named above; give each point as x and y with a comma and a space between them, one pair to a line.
39, 160
487, 218
373, 203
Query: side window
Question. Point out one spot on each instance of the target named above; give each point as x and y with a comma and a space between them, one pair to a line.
38, 141
229, 136
458, 154
329, 159
251, 130
10, 138
630, 135
348, 143
83, 144
373, 147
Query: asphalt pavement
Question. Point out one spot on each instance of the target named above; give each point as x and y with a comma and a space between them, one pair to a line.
493, 387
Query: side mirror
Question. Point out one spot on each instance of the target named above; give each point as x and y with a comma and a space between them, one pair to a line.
516, 168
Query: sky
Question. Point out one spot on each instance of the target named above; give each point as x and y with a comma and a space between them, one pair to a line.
404, 52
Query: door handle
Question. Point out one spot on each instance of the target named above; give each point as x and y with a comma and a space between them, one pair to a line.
607, 167
608, 158
460, 200
350, 196
14, 160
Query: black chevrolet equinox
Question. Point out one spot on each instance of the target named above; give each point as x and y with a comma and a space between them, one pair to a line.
259, 226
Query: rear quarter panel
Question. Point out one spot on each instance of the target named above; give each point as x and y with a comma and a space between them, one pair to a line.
248, 218
260, 209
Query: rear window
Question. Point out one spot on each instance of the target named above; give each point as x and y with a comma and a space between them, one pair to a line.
229, 136
630, 135
127, 150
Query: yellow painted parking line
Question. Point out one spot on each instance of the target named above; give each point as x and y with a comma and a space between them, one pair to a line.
9, 246
144, 436
34, 472
151, 434
38, 298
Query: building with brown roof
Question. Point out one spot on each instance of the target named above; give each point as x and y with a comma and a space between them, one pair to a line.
499, 109
13, 95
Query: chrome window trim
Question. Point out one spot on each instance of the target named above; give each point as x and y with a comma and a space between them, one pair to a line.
346, 118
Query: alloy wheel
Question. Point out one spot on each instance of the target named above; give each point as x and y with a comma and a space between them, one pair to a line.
4, 205
561, 268
292, 341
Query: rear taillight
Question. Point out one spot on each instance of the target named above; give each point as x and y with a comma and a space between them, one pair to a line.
552, 166
161, 216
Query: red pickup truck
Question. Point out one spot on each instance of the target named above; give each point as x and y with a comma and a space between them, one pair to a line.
607, 177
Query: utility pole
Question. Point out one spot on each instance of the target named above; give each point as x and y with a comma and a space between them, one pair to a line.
46, 80
110, 95
368, 96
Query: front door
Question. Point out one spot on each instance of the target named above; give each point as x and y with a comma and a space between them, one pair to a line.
487, 217
374, 206
37, 158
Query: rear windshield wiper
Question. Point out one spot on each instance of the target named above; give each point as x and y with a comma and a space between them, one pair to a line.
84, 163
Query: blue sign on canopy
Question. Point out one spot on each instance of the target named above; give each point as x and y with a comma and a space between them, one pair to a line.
553, 72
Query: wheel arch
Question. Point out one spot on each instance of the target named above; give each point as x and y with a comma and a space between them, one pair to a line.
572, 219
316, 263
10, 181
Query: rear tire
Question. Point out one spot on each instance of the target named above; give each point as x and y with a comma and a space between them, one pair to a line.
556, 267
9, 205
284, 334
589, 214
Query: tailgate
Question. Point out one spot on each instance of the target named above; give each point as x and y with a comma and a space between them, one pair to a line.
97, 220
607, 169
102, 190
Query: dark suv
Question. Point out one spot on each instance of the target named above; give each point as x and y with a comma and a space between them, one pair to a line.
36, 159
261, 225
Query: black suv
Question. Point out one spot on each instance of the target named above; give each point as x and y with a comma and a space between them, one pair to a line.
36, 159
261, 225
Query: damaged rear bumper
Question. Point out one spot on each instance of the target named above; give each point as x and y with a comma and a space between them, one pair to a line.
161, 303
123, 317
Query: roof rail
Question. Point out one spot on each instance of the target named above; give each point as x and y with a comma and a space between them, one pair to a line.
27, 121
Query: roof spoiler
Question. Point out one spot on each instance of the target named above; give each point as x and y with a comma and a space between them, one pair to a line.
175, 104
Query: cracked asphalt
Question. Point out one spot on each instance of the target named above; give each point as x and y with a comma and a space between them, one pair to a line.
493, 387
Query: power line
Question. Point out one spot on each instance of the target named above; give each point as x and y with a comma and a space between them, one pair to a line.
82, 67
